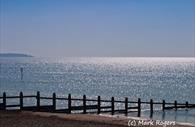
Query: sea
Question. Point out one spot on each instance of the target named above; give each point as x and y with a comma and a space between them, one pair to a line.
157, 78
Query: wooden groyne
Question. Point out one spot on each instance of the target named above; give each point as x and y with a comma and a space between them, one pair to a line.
128, 106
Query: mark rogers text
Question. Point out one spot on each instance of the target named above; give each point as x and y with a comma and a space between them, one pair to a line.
133, 123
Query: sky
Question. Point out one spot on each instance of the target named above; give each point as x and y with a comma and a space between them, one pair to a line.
99, 28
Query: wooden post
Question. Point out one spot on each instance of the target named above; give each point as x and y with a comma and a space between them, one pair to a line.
175, 103
21, 100
151, 107
4, 101
84, 104
99, 105
69, 103
139, 107
21, 71
54, 102
112, 105
126, 106
38, 100
187, 105
163, 105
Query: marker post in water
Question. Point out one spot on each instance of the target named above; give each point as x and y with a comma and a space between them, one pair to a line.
21, 71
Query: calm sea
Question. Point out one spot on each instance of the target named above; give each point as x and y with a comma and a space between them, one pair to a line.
146, 78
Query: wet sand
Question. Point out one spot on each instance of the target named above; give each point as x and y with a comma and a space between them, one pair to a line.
41, 119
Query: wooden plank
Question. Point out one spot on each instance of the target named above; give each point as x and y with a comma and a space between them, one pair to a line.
91, 106
105, 107
29, 96
170, 107
9, 106
92, 100
29, 108
181, 106
76, 108
76, 99
132, 107
132, 102
191, 105
117, 101
12, 97
105, 100
120, 110
106, 111
62, 110
82, 107
46, 98
60, 98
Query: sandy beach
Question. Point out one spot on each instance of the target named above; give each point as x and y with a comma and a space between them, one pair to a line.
41, 119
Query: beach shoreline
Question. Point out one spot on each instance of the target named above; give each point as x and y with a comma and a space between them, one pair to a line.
44, 119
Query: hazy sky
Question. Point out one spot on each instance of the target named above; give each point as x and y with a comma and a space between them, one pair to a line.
98, 27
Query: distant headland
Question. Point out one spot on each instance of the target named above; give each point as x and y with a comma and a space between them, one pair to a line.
14, 55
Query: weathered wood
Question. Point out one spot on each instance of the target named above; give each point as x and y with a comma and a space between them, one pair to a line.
112, 105
99, 105
181, 106
85, 107
106, 107
16, 105
62, 110
175, 104
54, 102
169, 107
126, 106
69, 103
84, 104
151, 107
12, 97
135, 107
29, 96
46, 98
4, 101
187, 105
120, 110
163, 105
106, 111
38, 101
29, 108
21, 100
139, 107
91, 106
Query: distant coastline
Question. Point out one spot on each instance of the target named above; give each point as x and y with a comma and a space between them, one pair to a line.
14, 55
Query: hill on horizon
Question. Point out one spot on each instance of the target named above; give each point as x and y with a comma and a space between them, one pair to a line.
14, 55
